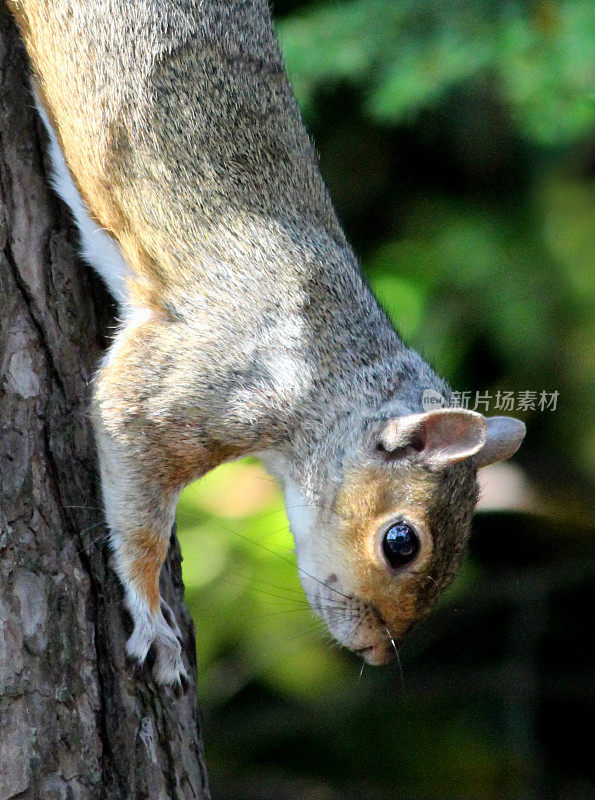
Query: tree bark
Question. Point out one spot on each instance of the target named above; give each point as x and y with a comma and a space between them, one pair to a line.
76, 721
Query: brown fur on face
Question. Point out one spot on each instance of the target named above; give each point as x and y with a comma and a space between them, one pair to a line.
369, 501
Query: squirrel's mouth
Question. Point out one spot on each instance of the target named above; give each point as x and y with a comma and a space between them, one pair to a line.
376, 654
354, 622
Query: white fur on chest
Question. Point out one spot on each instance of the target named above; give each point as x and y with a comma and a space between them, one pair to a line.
300, 512
97, 246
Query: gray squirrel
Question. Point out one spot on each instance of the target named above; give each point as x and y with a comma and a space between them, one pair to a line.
245, 324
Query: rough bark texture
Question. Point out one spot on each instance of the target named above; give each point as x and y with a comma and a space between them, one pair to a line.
75, 721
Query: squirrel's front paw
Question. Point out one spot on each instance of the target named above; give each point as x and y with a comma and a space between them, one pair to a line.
163, 636
169, 669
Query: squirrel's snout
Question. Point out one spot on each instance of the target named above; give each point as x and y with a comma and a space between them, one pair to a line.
377, 654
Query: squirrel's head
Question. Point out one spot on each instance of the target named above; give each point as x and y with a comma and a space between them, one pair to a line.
384, 530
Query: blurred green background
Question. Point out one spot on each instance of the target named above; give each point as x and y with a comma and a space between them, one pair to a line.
456, 140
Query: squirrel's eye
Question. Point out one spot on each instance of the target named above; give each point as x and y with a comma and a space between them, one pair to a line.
400, 544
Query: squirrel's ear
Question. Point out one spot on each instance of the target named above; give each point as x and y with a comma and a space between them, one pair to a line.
504, 438
437, 438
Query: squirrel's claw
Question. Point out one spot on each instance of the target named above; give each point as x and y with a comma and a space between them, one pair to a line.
170, 618
161, 635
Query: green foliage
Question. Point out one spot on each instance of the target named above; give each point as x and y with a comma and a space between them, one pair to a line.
473, 268
408, 54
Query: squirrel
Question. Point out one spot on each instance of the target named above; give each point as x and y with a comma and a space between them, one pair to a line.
245, 325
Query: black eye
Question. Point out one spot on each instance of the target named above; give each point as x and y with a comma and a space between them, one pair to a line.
400, 544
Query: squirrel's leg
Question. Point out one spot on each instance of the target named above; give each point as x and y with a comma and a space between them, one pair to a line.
141, 485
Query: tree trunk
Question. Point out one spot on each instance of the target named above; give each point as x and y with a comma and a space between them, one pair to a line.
75, 719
